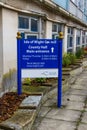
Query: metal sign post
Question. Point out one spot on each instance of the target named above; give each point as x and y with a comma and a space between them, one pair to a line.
59, 97
19, 88
59, 101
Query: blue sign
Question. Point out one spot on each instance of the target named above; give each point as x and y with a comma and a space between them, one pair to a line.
39, 53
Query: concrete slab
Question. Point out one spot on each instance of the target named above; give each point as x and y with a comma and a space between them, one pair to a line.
79, 80
44, 111
75, 106
78, 86
84, 74
20, 120
78, 92
84, 119
76, 98
52, 93
63, 114
31, 101
49, 95
49, 102
49, 124
82, 127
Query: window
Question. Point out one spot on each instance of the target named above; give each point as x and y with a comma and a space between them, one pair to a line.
31, 36
56, 28
59, 28
30, 25
70, 30
70, 39
83, 37
78, 39
22, 35
34, 25
23, 22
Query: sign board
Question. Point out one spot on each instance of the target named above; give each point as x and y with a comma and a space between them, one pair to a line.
37, 55
39, 58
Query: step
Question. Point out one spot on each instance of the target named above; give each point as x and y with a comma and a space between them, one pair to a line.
66, 69
65, 73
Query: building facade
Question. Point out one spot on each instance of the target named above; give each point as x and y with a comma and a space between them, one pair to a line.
38, 19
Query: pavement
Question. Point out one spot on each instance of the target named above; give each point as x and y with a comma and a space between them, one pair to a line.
40, 112
73, 113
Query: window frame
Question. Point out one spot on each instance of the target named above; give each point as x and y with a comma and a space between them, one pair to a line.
78, 35
28, 23
37, 24
29, 18
56, 33
83, 37
26, 34
70, 33
56, 28
39, 33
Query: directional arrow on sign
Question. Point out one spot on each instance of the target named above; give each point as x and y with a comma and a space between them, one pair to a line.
52, 49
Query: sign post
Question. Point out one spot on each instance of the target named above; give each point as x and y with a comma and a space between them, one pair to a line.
59, 97
19, 88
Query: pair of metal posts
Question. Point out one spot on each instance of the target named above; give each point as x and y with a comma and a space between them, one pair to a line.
19, 84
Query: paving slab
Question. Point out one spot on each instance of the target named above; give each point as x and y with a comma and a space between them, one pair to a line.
69, 114
78, 86
63, 114
82, 127
84, 73
19, 120
44, 111
76, 98
50, 124
49, 95
49, 102
79, 80
78, 92
84, 119
75, 106
31, 101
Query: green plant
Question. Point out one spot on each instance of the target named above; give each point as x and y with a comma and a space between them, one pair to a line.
40, 80
27, 81
66, 60
72, 58
79, 53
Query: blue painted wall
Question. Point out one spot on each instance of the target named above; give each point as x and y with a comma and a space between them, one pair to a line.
62, 3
